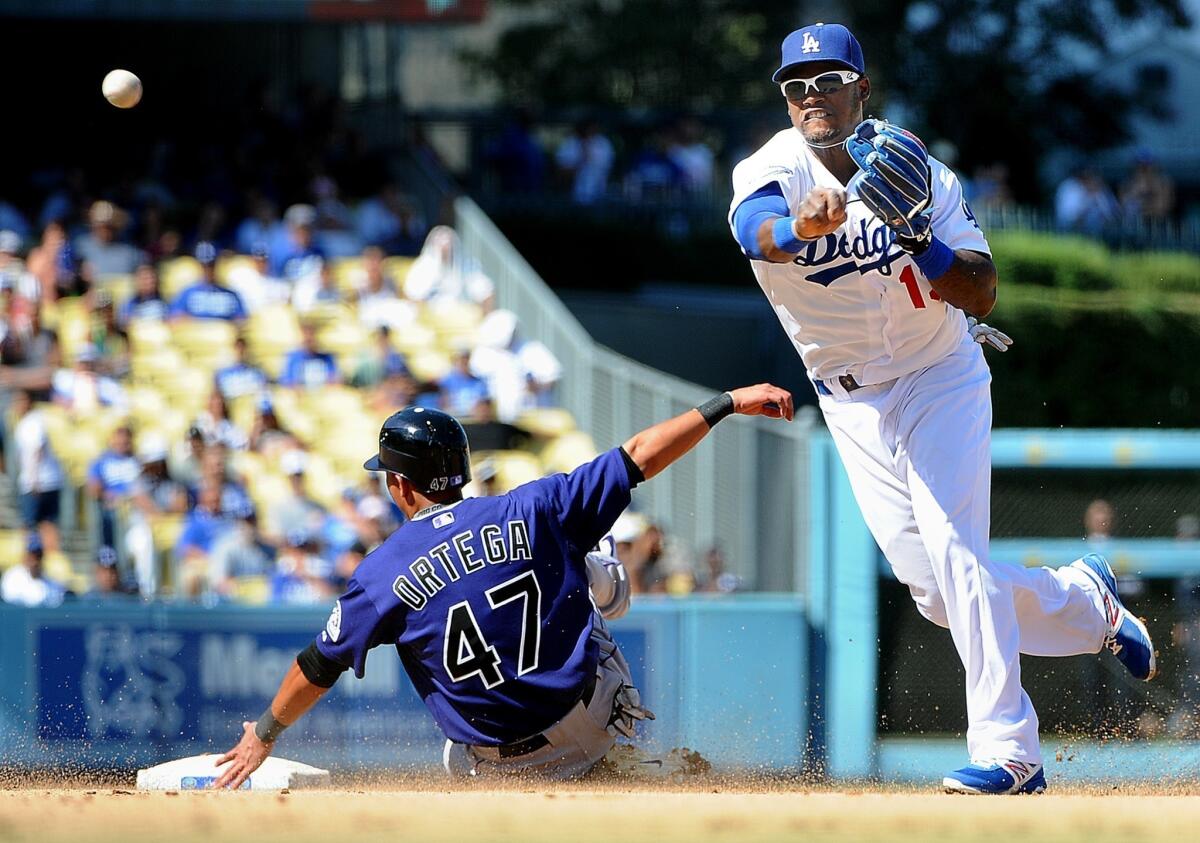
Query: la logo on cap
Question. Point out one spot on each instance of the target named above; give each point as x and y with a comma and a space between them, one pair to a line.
811, 45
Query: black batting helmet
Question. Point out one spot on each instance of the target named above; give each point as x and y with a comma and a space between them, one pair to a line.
426, 447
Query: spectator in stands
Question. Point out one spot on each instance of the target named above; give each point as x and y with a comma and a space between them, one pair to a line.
216, 425
39, 475
208, 298
253, 281
461, 390
520, 374
268, 437
26, 584
12, 219
390, 221
107, 336
516, 157
53, 263
302, 577
1184, 722
719, 579
29, 355
653, 172
379, 361
83, 390
146, 302
240, 377
204, 526
262, 226
155, 494
13, 273
644, 561
584, 161
1084, 204
1099, 519
1148, 192
485, 481
295, 255
441, 274
106, 579
296, 511
316, 290
989, 187
307, 367
215, 470
111, 479
397, 390
378, 303
240, 552
185, 463
100, 246
694, 158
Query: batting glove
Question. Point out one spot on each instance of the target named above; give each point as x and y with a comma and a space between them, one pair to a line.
983, 333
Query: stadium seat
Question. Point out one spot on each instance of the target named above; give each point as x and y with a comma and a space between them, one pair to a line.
12, 547
120, 287
428, 365
413, 338
347, 274
229, 263
176, 274
513, 468
252, 591
166, 528
546, 422
397, 268
454, 323
568, 451
206, 343
146, 335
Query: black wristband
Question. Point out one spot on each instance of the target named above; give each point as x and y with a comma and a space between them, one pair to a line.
715, 409
267, 729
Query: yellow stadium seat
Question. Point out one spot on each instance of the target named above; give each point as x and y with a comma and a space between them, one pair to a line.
165, 528
145, 403
229, 263
274, 324
147, 335
74, 331
513, 468
12, 547
58, 567
120, 287
414, 338
253, 591
546, 421
243, 410
397, 268
568, 451
347, 274
193, 334
429, 365
453, 322
343, 337
176, 274
266, 490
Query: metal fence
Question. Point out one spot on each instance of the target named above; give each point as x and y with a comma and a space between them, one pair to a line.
745, 489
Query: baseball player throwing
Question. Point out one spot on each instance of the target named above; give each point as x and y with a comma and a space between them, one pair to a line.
872, 260
487, 600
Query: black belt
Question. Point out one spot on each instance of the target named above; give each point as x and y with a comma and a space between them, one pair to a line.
519, 748
847, 381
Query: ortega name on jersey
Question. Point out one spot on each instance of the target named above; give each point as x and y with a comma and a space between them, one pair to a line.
464, 554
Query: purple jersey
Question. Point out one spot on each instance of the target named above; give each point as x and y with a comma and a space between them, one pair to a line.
487, 603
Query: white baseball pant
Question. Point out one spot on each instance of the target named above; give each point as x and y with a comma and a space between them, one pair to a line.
918, 454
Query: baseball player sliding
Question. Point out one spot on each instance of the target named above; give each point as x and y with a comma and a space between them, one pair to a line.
872, 260
488, 604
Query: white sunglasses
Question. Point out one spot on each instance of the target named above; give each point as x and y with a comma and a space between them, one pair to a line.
825, 83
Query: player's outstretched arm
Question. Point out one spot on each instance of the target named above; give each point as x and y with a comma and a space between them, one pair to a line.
657, 447
296, 695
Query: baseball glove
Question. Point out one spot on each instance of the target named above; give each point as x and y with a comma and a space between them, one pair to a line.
894, 179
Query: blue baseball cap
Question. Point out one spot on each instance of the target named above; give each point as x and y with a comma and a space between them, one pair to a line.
206, 253
33, 544
821, 42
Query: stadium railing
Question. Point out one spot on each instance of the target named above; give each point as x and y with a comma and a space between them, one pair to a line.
748, 479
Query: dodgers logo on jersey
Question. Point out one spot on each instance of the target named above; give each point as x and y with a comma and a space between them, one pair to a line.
870, 249
811, 45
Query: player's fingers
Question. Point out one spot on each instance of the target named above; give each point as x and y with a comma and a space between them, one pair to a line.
772, 411
225, 777
228, 756
835, 205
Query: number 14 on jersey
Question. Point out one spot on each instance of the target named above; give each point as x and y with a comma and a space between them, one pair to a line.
909, 279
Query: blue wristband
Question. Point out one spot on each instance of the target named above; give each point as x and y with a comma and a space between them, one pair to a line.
785, 237
935, 260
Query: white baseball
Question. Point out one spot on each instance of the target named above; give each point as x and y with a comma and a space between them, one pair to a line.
122, 88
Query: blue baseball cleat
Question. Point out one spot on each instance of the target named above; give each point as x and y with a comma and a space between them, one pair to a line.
999, 777
1127, 637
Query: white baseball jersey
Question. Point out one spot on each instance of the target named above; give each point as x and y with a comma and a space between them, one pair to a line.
853, 302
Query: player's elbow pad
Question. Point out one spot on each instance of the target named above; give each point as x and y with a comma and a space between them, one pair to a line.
318, 668
610, 585
763, 205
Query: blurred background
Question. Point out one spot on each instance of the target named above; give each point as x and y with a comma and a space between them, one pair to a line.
324, 210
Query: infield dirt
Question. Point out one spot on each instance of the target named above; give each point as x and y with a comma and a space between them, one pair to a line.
577, 814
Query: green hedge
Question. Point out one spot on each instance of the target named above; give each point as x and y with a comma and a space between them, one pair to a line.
1076, 263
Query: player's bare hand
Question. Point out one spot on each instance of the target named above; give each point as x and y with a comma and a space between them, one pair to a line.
822, 211
763, 399
247, 757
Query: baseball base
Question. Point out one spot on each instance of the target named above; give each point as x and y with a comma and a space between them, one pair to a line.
198, 772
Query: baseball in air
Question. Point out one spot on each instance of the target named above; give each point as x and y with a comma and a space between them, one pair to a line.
122, 88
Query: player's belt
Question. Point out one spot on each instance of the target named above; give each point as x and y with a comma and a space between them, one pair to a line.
847, 382
515, 750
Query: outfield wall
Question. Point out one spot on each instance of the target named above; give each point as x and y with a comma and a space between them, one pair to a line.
119, 686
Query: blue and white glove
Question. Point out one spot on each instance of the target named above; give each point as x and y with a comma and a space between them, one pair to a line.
894, 180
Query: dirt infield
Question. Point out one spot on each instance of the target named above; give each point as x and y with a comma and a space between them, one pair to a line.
720, 812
